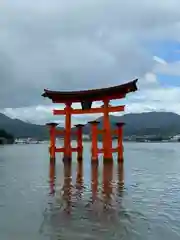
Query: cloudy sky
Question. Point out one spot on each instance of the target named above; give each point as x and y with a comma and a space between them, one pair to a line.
78, 44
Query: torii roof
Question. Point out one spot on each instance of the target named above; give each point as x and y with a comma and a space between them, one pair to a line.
115, 92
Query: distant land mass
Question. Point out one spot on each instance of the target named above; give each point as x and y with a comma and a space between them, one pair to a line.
20, 129
5, 137
139, 124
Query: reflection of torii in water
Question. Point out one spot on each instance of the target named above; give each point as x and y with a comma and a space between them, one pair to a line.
50, 215
52, 174
79, 179
107, 184
67, 187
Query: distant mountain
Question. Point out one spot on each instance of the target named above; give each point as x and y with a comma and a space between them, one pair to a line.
22, 129
151, 123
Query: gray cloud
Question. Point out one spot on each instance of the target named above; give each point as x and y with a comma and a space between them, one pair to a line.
69, 45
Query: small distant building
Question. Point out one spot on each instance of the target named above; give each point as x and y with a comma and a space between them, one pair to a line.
20, 141
175, 138
86, 137
26, 141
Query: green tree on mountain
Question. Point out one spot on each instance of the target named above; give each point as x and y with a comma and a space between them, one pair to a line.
7, 136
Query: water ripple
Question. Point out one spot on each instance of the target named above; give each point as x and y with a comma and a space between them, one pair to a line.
137, 200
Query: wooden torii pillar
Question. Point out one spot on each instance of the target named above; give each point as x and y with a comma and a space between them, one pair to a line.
120, 148
94, 140
67, 136
107, 138
79, 134
52, 147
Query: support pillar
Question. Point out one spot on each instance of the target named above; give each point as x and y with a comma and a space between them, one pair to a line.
94, 139
67, 136
107, 138
52, 147
79, 141
120, 141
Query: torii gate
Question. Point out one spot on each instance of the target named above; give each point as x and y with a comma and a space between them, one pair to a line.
86, 98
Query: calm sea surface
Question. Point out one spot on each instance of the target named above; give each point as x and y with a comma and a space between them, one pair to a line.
140, 200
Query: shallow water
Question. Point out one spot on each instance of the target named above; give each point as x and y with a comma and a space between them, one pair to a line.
140, 200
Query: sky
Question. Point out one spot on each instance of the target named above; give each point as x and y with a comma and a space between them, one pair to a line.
77, 44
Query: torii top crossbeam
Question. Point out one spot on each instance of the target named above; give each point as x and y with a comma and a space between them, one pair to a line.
115, 92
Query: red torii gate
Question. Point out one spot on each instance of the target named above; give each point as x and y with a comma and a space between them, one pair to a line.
86, 98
